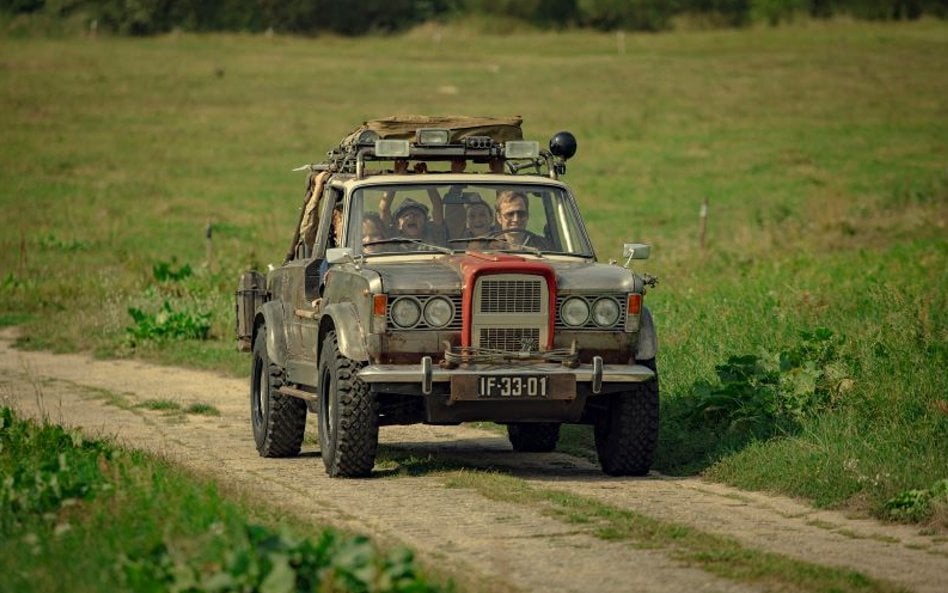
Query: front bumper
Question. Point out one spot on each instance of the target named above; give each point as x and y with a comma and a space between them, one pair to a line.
427, 374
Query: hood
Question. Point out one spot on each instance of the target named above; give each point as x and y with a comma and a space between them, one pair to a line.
434, 275
445, 274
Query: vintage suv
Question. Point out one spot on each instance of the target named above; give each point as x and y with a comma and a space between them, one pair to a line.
420, 289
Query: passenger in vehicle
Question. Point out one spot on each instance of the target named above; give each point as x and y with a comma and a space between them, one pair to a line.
373, 230
512, 217
410, 219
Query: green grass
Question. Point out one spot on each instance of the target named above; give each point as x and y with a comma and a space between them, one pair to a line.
719, 555
820, 146
102, 518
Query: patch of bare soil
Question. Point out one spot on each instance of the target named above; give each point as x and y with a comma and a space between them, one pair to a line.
487, 545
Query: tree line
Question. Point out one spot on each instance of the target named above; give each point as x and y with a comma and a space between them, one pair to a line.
356, 17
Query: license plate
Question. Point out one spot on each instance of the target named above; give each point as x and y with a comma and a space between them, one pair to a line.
513, 387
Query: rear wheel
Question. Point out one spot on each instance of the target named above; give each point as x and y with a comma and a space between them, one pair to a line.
278, 420
627, 431
533, 437
348, 415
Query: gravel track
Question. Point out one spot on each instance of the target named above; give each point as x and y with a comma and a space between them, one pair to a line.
485, 545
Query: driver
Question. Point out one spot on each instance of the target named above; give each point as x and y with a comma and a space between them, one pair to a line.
512, 216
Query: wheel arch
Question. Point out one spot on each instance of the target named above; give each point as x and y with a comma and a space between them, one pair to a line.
646, 346
343, 318
271, 319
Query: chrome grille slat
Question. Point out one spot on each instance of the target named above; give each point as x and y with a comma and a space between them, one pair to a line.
511, 312
510, 338
511, 296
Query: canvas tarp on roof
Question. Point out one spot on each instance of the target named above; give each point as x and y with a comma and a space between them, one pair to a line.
501, 129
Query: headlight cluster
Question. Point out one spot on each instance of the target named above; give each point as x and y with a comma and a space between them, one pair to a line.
577, 311
408, 312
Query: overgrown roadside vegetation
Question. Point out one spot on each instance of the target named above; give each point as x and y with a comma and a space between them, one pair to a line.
820, 146
112, 519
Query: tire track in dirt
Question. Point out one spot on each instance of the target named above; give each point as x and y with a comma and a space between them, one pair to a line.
488, 545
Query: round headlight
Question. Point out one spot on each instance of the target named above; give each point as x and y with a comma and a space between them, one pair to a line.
575, 311
605, 312
406, 312
438, 312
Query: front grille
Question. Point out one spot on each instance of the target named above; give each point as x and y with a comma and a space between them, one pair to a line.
510, 338
511, 296
511, 312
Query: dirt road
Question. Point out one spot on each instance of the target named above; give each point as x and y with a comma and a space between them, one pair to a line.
490, 545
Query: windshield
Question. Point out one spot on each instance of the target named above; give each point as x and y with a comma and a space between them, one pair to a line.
455, 217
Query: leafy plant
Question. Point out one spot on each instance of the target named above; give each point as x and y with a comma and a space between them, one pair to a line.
168, 323
917, 505
260, 559
165, 271
770, 393
43, 467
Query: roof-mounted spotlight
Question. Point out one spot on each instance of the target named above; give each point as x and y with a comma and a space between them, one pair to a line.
392, 148
521, 149
432, 137
563, 145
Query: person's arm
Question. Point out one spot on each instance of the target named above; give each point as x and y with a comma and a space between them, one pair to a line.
385, 208
437, 209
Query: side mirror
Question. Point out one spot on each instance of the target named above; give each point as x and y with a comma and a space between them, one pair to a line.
632, 251
339, 255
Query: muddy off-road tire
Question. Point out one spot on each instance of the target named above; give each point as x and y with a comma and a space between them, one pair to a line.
533, 437
627, 432
348, 415
278, 420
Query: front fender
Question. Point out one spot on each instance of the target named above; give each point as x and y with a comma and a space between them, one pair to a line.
344, 319
271, 317
646, 346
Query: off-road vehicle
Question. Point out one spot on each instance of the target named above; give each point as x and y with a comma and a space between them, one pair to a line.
398, 303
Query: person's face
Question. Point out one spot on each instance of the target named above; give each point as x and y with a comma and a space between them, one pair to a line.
478, 219
512, 215
370, 232
411, 223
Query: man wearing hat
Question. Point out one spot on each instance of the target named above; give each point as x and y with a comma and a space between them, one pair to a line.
410, 220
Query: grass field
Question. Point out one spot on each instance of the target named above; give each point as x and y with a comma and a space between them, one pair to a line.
822, 149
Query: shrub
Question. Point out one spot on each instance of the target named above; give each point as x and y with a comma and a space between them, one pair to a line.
260, 559
767, 394
913, 506
43, 467
168, 323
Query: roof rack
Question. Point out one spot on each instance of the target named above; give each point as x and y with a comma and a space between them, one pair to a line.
481, 140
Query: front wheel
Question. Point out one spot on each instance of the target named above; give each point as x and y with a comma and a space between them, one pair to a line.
533, 437
278, 420
627, 430
348, 415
